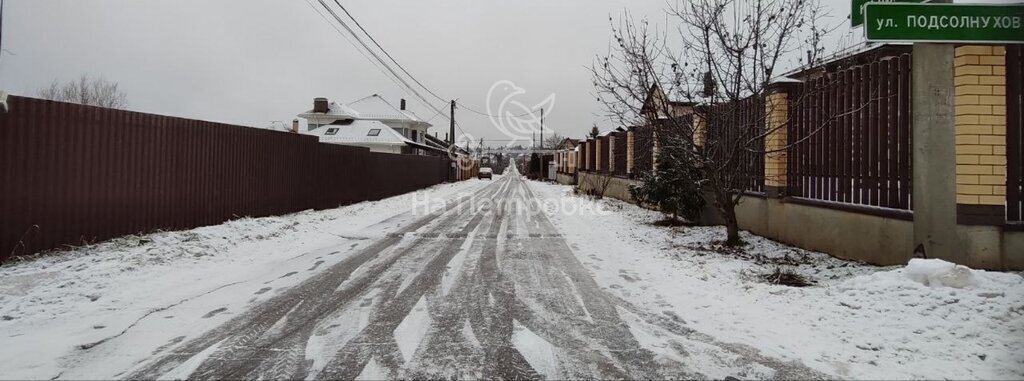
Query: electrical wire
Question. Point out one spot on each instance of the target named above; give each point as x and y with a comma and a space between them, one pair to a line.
349, 40
398, 80
491, 115
402, 68
360, 26
377, 57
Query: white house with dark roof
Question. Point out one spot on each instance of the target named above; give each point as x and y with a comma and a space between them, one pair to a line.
370, 122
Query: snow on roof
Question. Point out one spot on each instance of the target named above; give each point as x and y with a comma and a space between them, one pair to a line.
359, 132
337, 109
614, 130
375, 107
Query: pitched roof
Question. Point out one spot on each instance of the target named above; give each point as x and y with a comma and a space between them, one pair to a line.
376, 107
360, 131
373, 107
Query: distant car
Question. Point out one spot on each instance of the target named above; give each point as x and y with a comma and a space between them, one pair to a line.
484, 172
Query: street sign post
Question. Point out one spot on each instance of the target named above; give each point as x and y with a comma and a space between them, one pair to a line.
857, 9
945, 23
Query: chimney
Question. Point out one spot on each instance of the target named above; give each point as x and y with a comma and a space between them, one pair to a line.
320, 105
295, 126
402, 105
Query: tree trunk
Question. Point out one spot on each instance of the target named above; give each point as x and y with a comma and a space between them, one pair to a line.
732, 228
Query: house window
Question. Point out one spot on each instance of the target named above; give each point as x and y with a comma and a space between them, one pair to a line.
331, 131
415, 138
373, 132
312, 126
342, 122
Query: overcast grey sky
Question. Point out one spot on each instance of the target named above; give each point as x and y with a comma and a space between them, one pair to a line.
254, 61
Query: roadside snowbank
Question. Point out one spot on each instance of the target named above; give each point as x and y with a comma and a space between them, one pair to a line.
857, 321
56, 309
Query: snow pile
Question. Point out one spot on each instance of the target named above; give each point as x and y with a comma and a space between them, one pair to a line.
936, 273
927, 320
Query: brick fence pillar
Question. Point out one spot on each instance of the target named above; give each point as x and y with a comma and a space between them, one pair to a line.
700, 130
776, 122
611, 152
980, 106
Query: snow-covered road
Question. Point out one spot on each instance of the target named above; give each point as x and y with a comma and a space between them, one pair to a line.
479, 279
485, 290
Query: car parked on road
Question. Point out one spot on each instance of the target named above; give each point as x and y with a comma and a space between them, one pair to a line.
485, 173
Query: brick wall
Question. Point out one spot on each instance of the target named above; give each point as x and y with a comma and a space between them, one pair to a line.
980, 106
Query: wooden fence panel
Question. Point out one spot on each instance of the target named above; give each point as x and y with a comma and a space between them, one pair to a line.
851, 131
726, 125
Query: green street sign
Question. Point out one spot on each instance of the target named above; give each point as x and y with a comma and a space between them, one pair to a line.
857, 9
945, 23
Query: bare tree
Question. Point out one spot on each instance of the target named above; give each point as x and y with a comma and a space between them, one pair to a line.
697, 85
553, 141
87, 91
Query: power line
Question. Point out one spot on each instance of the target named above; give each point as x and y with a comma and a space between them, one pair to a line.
402, 68
360, 26
381, 61
349, 40
491, 115
374, 54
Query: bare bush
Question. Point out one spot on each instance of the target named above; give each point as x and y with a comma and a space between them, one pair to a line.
596, 185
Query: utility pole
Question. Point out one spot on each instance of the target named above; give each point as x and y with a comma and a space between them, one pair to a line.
541, 128
451, 132
1, 27
934, 150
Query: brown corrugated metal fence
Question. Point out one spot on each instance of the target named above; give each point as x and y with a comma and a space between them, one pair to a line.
75, 174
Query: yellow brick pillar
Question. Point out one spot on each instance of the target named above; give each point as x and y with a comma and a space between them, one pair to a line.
775, 160
700, 127
980, 106
597, 154
655, 147
572, 161
611, 153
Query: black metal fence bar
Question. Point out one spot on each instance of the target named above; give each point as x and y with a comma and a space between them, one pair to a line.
1014, 133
